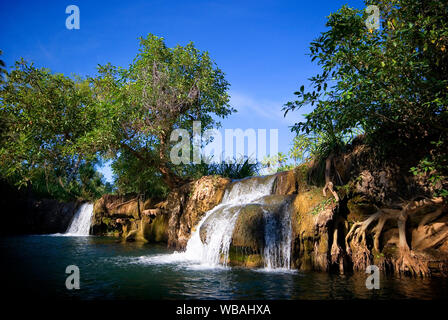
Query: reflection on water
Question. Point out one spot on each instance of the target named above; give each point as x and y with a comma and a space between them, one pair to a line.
34, 266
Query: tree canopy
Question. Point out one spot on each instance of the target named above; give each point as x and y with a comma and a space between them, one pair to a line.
43, 116
163, 89
391, 83
56, 129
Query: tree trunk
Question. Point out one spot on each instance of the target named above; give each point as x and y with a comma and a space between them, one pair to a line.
168, 176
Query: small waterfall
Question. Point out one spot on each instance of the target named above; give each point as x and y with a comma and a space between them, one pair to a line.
80, 224
212, 238
219, 222
219, 236
277, 238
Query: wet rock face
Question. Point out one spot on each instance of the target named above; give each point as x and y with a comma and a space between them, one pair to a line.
155, 230
130, 218
286, 183
311, 218
146, 229
249, 231
115, 206
187, 205
239, 257
112, 212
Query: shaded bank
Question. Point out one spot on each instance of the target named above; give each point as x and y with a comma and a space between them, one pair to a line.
23, 213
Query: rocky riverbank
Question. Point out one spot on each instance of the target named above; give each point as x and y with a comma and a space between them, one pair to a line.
374, 214
363, 220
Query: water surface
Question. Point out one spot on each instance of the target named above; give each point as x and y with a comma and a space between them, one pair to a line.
34, 267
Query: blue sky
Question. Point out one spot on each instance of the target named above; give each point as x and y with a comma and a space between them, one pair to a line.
262, 46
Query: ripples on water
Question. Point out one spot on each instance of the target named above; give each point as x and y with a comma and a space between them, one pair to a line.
35, 267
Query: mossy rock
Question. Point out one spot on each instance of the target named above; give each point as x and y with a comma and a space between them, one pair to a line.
305, 206
241, 258
302, 173
310, 246
248, 231
156, 230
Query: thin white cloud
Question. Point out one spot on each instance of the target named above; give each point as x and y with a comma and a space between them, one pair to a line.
45, 52
271, 110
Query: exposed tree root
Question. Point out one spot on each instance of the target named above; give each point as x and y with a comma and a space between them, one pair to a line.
407, 261
356, 244
335, 248
329, 186
337, 253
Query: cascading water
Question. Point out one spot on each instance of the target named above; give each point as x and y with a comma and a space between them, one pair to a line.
220, 221
80, 224
211, 240
277, 238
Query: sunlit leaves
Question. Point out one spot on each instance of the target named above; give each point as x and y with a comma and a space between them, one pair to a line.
163, 89
43, 117
392, 77
392, 82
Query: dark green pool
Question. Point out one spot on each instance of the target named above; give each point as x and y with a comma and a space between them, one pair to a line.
34, 266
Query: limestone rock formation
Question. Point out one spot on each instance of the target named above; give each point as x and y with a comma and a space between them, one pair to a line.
187, 205
130, 218
311, 219
286, 183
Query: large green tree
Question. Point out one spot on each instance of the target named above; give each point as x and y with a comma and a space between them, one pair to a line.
55, 129
163, 89
43, 116
392, 83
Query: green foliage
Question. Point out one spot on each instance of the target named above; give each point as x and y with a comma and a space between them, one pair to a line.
323, 205
2, 68
367, 77
134, 176
433, 167
43, 115
240, 168
88, 184
163, 89
56, 129
276, 163
391, 83
319, 145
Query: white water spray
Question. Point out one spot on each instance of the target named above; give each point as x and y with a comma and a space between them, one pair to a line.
218, 226
220, 229
80, 224
277, 238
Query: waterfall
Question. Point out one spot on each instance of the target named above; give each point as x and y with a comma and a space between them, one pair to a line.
80, 224
277, 238
219, 222
211, 239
